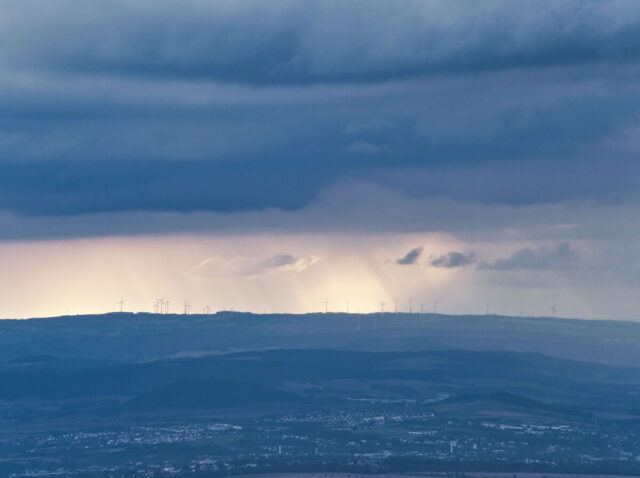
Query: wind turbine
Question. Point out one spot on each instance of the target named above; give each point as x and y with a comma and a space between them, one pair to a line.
121, 303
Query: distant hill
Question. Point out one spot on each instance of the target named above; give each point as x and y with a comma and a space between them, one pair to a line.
137, 337
208, 394
468, 378
499, 402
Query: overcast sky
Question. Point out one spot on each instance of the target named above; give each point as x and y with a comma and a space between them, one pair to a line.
227, 152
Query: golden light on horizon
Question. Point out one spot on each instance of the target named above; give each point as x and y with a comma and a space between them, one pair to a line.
91, 275
270, 273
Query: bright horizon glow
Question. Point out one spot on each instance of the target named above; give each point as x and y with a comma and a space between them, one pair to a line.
50, 278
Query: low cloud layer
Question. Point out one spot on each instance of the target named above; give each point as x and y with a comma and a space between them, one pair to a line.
191, 107
300, 42
452, 260
541, 258
216, 267
411, 257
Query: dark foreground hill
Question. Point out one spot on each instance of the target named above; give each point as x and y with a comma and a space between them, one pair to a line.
318, 410
208, 394
136, 337
123, 395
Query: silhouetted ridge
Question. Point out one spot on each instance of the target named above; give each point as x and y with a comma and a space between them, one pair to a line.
513, 399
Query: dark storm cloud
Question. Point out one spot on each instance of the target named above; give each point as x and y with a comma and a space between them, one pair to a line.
71, 188
452, 260
410, 257
559, 257
287, 42
123, 106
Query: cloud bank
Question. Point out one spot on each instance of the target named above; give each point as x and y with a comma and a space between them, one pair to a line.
171, 107
410, 257
560, 257
293, 42
452, 260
